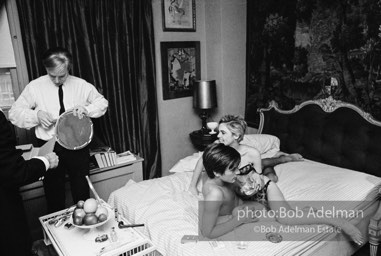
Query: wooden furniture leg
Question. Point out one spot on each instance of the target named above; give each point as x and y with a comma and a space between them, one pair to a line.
374, 232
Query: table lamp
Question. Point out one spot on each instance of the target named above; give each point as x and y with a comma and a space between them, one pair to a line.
204, 99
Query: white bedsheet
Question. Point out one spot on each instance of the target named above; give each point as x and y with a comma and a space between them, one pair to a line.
169, 211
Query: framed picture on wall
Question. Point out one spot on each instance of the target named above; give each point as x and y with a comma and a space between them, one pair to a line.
180, 64
179, 15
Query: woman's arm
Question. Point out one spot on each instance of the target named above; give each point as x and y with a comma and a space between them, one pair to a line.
255, 157
195, 177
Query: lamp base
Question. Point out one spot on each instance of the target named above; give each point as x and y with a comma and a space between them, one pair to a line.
204, 115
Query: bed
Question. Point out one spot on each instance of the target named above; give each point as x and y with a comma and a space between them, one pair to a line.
341, 146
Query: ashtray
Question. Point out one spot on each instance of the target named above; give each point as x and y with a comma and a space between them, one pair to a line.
274, 237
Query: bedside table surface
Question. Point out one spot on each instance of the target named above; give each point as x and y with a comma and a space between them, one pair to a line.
201, 140
104, 169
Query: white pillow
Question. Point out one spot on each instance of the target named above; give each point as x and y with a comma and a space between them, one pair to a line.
186, 164
264, 143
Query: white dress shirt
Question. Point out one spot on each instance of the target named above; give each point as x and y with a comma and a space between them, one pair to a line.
42, 94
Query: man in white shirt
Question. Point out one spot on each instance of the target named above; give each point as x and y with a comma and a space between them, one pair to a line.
39, 106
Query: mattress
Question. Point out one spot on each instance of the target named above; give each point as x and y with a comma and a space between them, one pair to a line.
169, 211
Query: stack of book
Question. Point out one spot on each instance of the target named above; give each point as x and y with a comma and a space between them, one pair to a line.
106, 157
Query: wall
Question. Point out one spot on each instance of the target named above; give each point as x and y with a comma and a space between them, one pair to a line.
226, 52
221, 30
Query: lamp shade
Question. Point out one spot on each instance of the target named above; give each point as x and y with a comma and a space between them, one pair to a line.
204, 94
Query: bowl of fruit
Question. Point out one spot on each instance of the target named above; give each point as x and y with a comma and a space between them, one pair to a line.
90, 214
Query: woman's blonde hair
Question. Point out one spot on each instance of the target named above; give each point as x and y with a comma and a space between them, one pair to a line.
236, 124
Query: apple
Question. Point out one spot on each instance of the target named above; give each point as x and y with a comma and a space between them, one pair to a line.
102, 217
101, 210
79, 212
80, 204
90, 219
78, 221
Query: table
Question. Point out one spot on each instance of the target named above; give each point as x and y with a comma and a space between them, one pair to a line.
105, 181
76, 241
200, 140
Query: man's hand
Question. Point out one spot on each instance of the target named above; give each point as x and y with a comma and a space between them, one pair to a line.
53, 160
80, 111
45, 119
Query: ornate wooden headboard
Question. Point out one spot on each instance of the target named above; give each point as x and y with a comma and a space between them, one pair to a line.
327, 131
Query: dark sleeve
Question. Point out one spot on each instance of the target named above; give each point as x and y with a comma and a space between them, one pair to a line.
14, 170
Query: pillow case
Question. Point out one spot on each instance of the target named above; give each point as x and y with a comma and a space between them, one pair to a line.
186, 164
264, 143
267, 145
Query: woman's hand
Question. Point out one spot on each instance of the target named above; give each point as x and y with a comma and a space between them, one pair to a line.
256, 180
252, 184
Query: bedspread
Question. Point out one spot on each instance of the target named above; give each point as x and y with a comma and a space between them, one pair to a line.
169, 211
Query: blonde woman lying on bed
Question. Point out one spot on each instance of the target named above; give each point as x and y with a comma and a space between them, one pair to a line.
221, 165
231, 131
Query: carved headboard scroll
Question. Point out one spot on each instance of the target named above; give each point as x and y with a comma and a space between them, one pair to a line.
327, 131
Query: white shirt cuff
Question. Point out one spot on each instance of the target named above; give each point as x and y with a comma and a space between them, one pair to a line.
43, 159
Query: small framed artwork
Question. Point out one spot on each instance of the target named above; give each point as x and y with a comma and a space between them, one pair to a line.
180, 63
179, 15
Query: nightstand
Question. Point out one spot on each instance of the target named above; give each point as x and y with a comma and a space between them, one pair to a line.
200, 140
